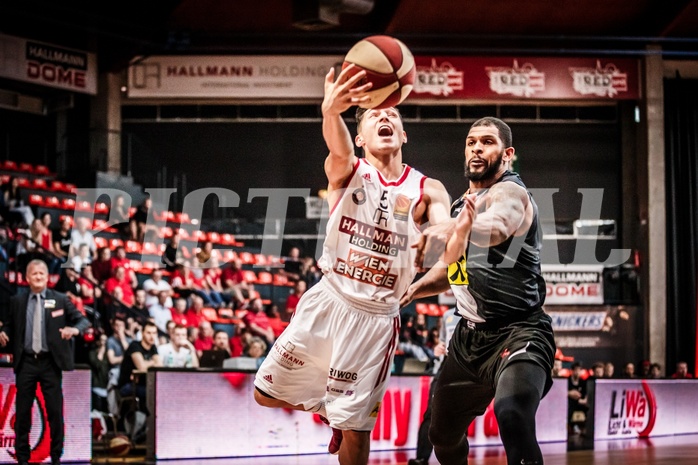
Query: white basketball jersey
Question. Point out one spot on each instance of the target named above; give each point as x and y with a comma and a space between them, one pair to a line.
367, 254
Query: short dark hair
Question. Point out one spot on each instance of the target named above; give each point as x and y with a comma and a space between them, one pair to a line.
504, 129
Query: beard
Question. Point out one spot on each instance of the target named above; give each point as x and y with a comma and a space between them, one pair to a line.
488, 173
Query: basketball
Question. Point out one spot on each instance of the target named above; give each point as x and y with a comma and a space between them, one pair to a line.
389, 66
119, 446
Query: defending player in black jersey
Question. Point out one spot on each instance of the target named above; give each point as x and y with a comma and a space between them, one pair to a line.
503, 347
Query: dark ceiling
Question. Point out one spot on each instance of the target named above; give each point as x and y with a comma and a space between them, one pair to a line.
120, 30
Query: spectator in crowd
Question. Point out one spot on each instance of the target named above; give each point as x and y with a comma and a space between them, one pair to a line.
172, 255
62, 238
194, 313
138, 310
119, 259
275, 322
42, 235
179, 311
179, 352
311, 273
120, 280
139, 220
682, 371
655, 371
577, 407
115, 307
629, 371
153, 286
237, 345
234, 282
138, 358
221, 341
68, 284
299, 289
118, 342
82, 235
597, 370
134, 329
293, 265
102, 266
257, 349
15, 212
204, 341
81, 259
192, 334
213, 285
89, 288
99, 366
205, 253
161, 312
120, 215
608, 370
644, 369
257, 322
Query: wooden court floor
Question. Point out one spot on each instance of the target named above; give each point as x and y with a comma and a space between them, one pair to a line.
670, 450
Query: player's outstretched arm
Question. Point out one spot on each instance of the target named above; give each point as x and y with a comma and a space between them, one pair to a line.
432, 242
507, 213
458, 243
340, 95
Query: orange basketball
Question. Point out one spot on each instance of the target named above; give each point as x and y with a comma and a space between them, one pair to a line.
389, 66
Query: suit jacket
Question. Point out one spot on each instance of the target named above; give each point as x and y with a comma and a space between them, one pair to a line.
61, 315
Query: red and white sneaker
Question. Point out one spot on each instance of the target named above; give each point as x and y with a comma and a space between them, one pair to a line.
337, 436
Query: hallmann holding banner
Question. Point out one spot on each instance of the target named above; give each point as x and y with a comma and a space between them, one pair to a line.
293, 77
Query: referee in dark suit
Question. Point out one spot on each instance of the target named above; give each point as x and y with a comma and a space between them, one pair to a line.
40, 324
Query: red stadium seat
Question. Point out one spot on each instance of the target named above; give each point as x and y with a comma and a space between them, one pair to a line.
83, 206
36, 200
101, 207
114, 243
57, 186
264, 277
42, 169
101, 242
149, 248
9, 165
68, 204
70, 187
133, 247
422, 308
250, 276
39, 184
247, 258
165, 232
26, 167
23, 182
213, 237
52, 202
182, 218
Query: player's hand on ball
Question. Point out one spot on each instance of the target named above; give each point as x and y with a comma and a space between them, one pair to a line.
342, 93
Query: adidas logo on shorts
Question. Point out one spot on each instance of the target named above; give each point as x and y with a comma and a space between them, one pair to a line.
268, 379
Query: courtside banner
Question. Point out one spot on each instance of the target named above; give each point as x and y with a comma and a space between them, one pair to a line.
48, 65
287, 77
76, 417
197, 414
645, 408
573, 284
526, 78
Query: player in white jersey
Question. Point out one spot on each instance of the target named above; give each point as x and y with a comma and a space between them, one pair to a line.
335, 356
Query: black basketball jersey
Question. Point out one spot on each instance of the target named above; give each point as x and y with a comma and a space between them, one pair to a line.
506, 279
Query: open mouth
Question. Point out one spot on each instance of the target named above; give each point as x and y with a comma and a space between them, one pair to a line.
385, 131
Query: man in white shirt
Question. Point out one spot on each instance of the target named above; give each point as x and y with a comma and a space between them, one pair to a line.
161, 313
80, 235
179, 352
153, 286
